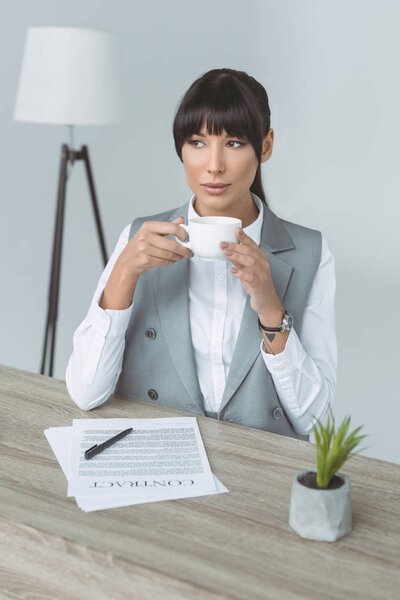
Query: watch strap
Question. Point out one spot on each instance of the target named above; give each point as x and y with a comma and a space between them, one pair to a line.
269, 329
282, 327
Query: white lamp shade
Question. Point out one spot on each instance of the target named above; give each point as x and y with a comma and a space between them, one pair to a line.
69, 76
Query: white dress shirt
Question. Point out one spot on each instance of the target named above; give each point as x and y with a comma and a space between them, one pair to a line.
304, 374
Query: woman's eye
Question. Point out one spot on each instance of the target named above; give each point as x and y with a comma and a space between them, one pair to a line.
236, 142
194, 142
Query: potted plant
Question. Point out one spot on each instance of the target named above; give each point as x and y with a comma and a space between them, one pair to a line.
320, 505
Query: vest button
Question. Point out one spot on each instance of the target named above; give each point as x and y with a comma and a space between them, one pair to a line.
277, 413
152, 394
150, 333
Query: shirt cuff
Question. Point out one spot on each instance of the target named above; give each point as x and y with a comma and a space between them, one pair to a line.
109, 322
288, 360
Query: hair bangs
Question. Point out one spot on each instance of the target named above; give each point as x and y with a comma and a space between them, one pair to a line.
220, 106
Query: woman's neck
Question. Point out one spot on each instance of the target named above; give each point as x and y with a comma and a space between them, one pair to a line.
246, 211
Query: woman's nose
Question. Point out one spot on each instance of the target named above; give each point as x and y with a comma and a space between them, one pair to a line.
215, 161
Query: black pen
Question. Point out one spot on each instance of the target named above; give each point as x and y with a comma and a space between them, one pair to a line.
90, 452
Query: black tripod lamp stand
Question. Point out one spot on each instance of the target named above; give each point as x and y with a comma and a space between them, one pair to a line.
68, 158
69, 76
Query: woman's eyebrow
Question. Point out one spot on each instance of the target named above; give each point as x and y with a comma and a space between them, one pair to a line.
203, 135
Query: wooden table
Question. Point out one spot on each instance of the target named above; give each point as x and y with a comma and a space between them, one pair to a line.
236, 545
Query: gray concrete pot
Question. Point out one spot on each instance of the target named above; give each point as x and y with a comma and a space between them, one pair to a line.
319, 514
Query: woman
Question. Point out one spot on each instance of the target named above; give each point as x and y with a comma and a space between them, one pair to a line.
250, 339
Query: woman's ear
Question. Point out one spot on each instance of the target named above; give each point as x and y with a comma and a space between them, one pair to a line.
268, 142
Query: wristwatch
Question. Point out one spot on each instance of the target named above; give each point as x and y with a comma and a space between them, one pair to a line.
286, 325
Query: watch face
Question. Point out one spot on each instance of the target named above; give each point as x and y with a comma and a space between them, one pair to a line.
287, 322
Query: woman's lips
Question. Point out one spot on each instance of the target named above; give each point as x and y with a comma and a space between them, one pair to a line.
215, 190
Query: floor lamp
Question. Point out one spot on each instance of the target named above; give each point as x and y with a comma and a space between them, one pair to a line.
69, 77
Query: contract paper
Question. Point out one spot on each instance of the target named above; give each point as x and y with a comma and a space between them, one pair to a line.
60, 440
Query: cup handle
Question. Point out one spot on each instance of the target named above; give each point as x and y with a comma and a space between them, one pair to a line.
187, 243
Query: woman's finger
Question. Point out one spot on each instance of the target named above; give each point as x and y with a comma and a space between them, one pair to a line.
243, 238
229, 247
148, 252
246, 260
244, 275
167, 244
164, 228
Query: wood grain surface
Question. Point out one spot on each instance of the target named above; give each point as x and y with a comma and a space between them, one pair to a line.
237, 545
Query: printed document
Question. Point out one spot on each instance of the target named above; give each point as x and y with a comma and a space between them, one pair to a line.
60, 440
158, 458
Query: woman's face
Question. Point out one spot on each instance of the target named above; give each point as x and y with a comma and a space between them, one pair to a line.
227, 160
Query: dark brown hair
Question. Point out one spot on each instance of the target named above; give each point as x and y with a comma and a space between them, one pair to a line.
230, 100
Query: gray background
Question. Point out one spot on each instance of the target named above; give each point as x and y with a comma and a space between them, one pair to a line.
332, 74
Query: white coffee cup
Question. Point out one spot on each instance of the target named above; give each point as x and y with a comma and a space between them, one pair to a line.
206, 234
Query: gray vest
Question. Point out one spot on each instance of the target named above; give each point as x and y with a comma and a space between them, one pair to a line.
159, 365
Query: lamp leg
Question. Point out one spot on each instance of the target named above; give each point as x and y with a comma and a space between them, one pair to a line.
85, 156
54, 285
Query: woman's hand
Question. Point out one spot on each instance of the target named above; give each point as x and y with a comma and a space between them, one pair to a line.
251, 267
149, 247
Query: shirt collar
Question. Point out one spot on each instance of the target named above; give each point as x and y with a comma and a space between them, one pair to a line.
253, 230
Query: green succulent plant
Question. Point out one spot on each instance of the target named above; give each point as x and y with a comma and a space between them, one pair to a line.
334, 447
